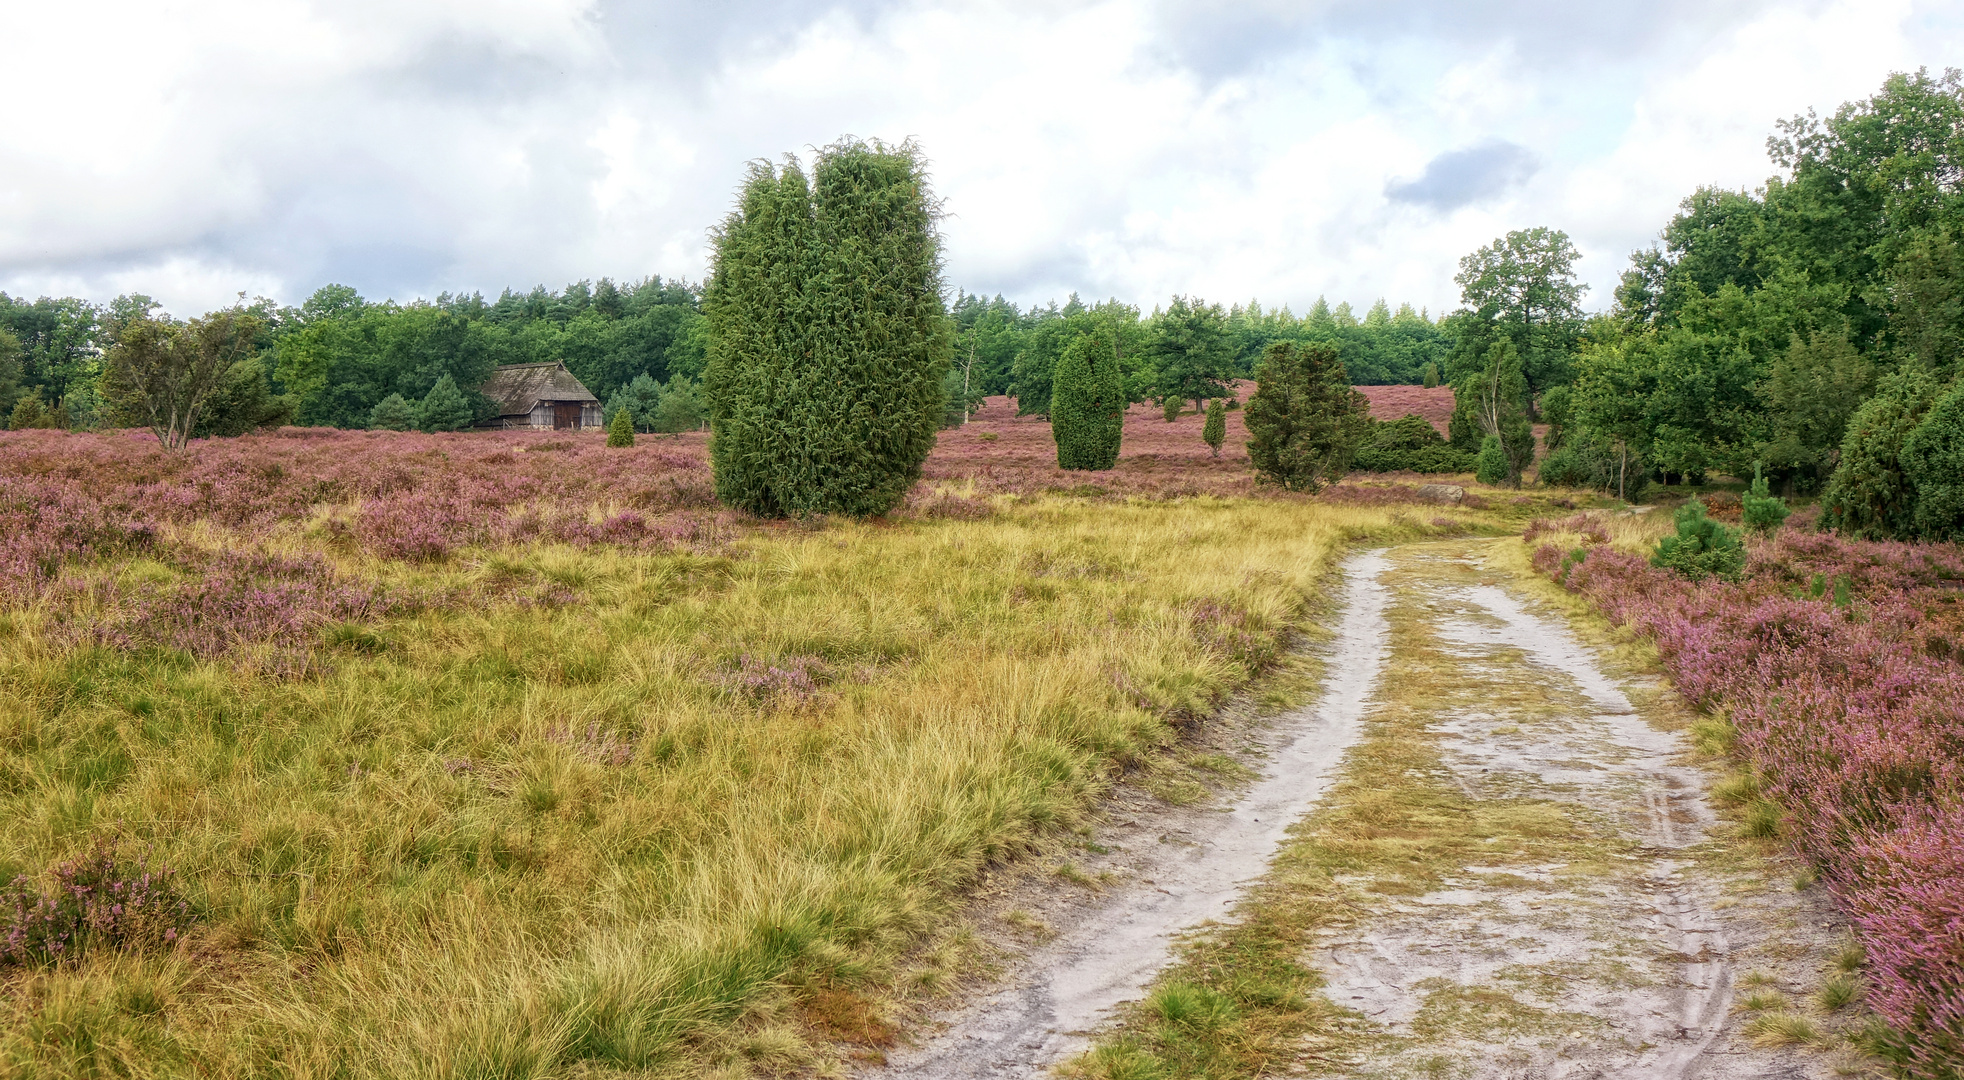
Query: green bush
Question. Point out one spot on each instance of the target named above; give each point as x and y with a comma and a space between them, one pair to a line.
1304, 422
681, 408
1598, 465
445, 408
1869, 496
1409, 444
828, 334
1087, 404
1491, 466
1214, 432
639, 399
30, 412
1702, 548
1170, 408
621, 431
392, 413
1933, 460
1763, 510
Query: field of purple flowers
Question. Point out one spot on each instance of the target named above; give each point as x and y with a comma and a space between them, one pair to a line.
1839, 664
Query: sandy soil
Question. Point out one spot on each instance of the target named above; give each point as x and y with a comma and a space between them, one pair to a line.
1623, 958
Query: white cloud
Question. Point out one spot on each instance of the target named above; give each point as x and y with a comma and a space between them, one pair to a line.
1117, 147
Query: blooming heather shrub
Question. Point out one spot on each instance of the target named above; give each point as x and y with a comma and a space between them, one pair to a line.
1853, 709
792, 680
98, 901
47, 522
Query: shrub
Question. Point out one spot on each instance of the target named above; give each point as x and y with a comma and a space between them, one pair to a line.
1762, 510
1409, 444
1599, 465
444, 408
1491, 466
1087, 404
1702, 547
681, 408
1214, 432
1170, 408
99, 901
1869, 497
1933, 461
1305, 421
828, 335
621, 431
1431, 375
392, 413
639, 399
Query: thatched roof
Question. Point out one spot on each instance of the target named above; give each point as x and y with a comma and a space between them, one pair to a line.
517, 388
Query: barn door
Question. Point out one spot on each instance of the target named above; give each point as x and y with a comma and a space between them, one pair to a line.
565, 415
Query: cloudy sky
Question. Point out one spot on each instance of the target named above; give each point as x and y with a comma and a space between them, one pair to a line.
191, 149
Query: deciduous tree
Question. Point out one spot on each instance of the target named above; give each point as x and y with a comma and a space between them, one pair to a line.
163, 376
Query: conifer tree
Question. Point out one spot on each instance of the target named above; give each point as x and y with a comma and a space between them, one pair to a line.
1214, 432
445, 408
1490, 468
392, 413
828, 335
1762, 510
621, 431
1869, 496
1087, 404
1171, 407
1305, 421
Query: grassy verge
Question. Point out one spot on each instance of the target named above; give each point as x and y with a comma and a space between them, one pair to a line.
691, 821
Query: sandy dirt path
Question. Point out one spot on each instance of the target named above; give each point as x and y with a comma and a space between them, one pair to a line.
1108, 952
1620, 953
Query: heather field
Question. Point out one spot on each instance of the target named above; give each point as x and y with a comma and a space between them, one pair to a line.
366, 754
1834, 670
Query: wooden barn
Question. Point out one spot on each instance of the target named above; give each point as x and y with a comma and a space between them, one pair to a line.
540, 396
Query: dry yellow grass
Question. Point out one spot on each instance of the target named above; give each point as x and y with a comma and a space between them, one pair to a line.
555, 842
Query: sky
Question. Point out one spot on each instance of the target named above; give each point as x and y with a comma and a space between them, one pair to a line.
1353, 149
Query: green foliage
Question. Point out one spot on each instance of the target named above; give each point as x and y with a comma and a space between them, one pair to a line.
1597, 463
621, 431
639, 400
1933, 461
1496, 397
31, 412
1520, 289
1557, 411
1189, 351
243, 402
1214, 431
1087, 405
1702, 547
1431, 377
960, 395
1170, 408
681, 407
1409, 444
10, 390
164, 375
444, 408
392, 413
1810, 391
829, 339
1870, 496
1491, 466
1050, 331
1763, 510
1304, 421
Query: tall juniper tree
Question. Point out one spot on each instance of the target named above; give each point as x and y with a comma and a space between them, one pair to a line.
1087, 404
1305, 421
829, 337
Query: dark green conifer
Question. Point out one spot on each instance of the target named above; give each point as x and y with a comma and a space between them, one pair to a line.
1869, 496
1304, 421
1933, 460
1087, 404
621, 431
1762, 510
392, 413
828, 334
1214, 432
445, 408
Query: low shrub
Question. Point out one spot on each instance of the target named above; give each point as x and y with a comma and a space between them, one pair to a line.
95, 901
1409, 444
1702, 547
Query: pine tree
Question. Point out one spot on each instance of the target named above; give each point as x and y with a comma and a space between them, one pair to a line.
392, 413
640, 398
1701, 548
1214, 432
445, 408
1762, 510
828, 336
1869, 496
621, 431
1087, 404
1305, 421
1933, 460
